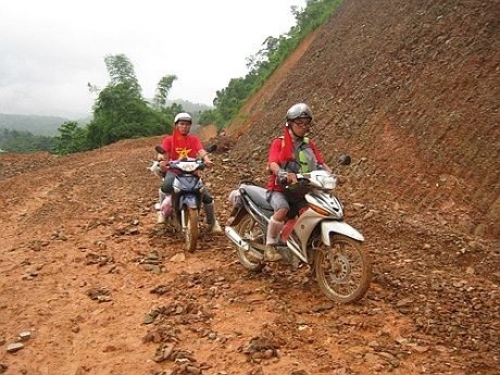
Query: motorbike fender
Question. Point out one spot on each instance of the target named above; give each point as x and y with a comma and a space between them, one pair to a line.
339, 227
188, 200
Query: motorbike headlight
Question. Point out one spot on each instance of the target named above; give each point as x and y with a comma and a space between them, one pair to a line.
328, 182
187, 166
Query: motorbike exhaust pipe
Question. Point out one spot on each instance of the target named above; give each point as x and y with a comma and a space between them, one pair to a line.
236, 238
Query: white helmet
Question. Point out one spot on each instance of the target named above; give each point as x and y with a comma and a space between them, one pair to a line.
299, 110
183, 116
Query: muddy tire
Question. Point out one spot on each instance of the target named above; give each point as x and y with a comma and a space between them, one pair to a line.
343, 270
250, 230
191, 228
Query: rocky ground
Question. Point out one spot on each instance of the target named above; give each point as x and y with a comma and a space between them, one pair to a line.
92, 285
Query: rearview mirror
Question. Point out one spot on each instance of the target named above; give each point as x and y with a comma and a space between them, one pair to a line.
344, 160
211, 148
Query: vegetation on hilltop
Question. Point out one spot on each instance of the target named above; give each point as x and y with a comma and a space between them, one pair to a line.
24, 141
121, 112
229, 100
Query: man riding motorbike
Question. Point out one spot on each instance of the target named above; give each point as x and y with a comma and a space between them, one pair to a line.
288, 155
180, 145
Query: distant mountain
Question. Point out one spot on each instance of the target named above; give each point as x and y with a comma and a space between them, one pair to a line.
48, 125
192, 108
37, 125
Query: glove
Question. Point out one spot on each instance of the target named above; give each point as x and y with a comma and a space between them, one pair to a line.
281, 177
285, 178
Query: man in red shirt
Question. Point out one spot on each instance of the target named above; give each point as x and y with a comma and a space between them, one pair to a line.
288, 155
180, 145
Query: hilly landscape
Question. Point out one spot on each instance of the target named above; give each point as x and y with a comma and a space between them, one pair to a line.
90, 284
39, 125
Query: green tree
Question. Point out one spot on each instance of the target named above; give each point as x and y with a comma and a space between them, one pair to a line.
24, 141
72, 138
229, 100
207, 117
120, 111
162, 91
121, 70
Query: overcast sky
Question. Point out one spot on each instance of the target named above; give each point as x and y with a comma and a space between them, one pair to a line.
51, 49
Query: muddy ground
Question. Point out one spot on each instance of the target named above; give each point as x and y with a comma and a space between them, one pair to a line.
102, 289
90, 284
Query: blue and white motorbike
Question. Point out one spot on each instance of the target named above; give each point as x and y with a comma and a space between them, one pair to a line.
184, 211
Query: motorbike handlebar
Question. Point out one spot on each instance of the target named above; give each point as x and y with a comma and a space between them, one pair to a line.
325, 181
302, 180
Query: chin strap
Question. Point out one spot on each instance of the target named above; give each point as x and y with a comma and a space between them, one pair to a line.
295, 135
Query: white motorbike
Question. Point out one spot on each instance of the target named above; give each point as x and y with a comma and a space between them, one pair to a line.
184, 211
317, 236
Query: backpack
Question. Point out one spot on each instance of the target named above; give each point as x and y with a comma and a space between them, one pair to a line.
301, 158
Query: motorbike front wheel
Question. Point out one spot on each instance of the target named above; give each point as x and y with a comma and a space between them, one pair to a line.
191, 215
250, 231
343, 270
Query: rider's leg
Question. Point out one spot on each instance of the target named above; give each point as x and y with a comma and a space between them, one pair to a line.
161, 195
167, 186
166, 190
276, 223
208, 205
273, 231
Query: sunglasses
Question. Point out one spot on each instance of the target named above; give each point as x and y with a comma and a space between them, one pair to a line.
305, 124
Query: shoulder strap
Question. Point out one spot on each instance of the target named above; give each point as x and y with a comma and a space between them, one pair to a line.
282, 141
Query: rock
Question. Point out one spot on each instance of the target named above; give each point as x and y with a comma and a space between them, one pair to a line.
24, 336
178, 258
152, 268
14, 347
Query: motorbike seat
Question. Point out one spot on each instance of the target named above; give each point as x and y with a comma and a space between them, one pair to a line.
257, 194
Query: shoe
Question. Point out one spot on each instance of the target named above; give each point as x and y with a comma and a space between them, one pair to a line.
271, 254
161, 218
216, 228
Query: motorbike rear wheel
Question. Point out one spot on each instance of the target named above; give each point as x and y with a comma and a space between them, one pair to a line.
191, 215
250, 231
343, 270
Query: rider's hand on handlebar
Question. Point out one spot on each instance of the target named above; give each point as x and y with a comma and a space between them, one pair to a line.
287, 178
164, 165
208, 163
291, 178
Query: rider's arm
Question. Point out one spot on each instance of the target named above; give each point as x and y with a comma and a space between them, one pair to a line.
273, 158
203, 155
273, 162
165, 156
200, 151
274, 167
164, 162
326, 167
291, 178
